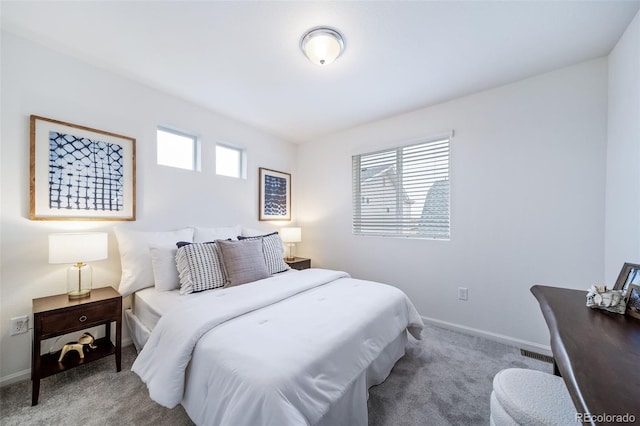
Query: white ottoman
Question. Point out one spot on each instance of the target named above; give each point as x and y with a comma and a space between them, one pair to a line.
530, 397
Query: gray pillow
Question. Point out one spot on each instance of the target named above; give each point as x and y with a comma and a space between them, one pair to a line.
243, 261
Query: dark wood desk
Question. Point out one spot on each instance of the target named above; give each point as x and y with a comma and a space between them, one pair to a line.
596, 352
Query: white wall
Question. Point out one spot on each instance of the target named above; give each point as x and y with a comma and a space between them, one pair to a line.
39, 81
527, 202
622, 241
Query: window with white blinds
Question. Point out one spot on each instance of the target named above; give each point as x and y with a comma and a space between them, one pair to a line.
404, 191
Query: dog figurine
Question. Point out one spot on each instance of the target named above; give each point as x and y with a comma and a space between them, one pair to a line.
86, 339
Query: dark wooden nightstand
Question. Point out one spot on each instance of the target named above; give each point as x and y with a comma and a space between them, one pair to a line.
57, 315
299, 263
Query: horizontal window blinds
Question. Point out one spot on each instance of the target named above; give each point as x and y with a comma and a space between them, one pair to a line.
403, 192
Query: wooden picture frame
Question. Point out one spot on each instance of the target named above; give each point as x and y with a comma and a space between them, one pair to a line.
629, 274
632, 299
80, 173
275, 195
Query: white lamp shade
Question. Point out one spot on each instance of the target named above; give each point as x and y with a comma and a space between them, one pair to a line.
291, 235
322, 45
78, 247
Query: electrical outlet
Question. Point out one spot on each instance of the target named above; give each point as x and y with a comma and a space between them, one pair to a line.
19, 325
463, 293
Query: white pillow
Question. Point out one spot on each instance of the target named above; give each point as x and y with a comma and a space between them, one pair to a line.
207, 235
251, 232
135, 258
165, 272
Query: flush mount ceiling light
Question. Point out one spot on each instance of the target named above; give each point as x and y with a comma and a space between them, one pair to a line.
322, 45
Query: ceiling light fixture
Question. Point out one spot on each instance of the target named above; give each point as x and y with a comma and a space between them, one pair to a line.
322, 45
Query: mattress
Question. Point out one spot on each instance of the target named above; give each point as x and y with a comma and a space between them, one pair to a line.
149, 304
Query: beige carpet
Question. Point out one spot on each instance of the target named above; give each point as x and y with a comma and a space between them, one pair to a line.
444, 379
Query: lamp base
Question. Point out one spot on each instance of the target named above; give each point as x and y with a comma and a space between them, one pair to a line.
79, 294
79, 281
291, 255
289, 259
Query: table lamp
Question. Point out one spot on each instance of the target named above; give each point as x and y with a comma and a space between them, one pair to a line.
290, 236
76, 249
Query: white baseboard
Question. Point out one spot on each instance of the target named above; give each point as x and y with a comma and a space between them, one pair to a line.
23, 375
20, 376
500, 338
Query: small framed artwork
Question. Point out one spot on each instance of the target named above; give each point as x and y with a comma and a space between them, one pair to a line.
79, 173
633, 301
275, 195
630, 274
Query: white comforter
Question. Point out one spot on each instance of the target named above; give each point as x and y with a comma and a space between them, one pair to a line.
276, 351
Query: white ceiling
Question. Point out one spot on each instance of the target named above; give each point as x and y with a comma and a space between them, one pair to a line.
243, 59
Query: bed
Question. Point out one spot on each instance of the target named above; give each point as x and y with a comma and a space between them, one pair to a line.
292, 348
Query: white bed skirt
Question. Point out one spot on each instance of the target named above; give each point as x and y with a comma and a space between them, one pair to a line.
351, 409
139, 332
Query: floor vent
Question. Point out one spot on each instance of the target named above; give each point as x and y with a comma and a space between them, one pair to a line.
535, 355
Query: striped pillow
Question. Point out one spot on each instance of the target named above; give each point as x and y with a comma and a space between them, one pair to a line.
273, 252
199, 267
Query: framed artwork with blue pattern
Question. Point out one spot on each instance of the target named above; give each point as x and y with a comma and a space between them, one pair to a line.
80, 173
275, 195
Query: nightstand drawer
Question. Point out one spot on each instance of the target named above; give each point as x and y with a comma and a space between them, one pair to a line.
82, 316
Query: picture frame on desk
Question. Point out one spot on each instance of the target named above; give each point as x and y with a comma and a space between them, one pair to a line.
629, 274
632, 299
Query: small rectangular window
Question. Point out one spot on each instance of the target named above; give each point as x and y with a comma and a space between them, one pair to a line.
230, 161
403, 192
177, 149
